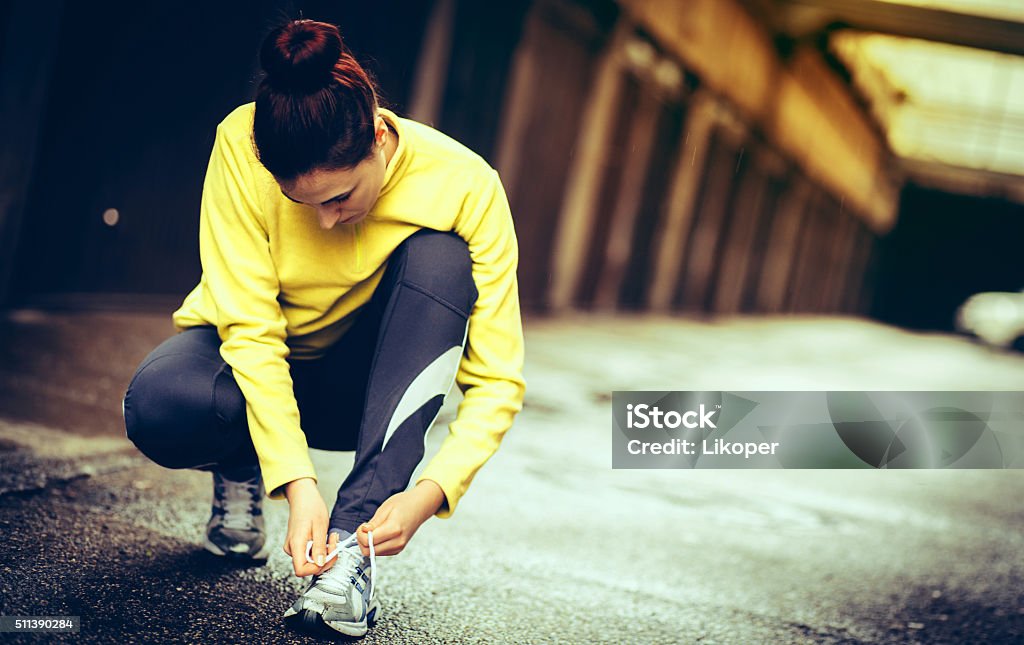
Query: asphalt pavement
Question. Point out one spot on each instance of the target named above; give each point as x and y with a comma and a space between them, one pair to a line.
550, 544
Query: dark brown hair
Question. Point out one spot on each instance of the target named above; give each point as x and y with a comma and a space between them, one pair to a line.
316, 104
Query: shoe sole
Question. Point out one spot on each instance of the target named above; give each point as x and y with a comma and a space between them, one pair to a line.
311, 622
262, 554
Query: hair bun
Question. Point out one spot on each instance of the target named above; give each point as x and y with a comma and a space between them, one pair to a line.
299, 57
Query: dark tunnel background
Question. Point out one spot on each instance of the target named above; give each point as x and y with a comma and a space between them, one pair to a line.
943, 249
127, 119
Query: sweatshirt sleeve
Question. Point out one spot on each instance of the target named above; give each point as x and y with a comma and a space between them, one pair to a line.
239, 274
490, 373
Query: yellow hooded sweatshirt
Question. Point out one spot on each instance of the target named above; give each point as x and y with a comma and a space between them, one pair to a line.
276, 285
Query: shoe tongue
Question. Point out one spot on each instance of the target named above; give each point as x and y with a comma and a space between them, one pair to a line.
351, 544
342, 534
242, 473
362, 560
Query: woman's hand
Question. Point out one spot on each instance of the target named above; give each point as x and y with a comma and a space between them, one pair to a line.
307, 520
399, 517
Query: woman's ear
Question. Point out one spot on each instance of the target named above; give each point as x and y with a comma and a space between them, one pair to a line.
380, 131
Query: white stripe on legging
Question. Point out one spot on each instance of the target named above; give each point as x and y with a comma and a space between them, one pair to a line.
436, 378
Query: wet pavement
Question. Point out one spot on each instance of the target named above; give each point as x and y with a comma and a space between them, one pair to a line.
550, 544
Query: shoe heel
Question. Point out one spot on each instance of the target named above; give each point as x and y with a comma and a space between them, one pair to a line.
374, 614
308, 621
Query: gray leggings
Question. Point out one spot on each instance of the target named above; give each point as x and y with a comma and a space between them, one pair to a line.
183, 408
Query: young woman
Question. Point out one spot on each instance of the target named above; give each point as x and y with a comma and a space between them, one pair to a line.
355, 265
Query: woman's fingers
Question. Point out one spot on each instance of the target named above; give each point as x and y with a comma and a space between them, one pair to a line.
299, 540
382, 526
319, 543
332, 544
386, 533
307, 522
379, 518
393, 546
297, 549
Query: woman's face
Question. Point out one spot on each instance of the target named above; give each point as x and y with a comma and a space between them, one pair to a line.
343, 196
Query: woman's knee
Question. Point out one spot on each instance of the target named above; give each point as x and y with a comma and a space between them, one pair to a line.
440, 263
183, 410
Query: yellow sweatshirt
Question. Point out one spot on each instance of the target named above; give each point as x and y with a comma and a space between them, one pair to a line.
277, 285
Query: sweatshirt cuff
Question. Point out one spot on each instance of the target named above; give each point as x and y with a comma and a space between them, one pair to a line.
275, 476
453, 469
448, 487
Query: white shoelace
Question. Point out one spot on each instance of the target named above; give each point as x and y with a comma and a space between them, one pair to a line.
355, 559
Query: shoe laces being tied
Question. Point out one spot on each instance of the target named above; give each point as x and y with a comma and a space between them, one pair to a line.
338, 578
238, 500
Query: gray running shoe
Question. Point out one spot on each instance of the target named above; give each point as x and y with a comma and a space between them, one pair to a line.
341, 599
235, 529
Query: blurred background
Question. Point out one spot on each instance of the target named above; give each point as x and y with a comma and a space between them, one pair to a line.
698, 159
708, 195
708, 156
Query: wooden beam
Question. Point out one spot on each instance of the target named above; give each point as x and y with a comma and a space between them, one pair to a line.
804, 18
